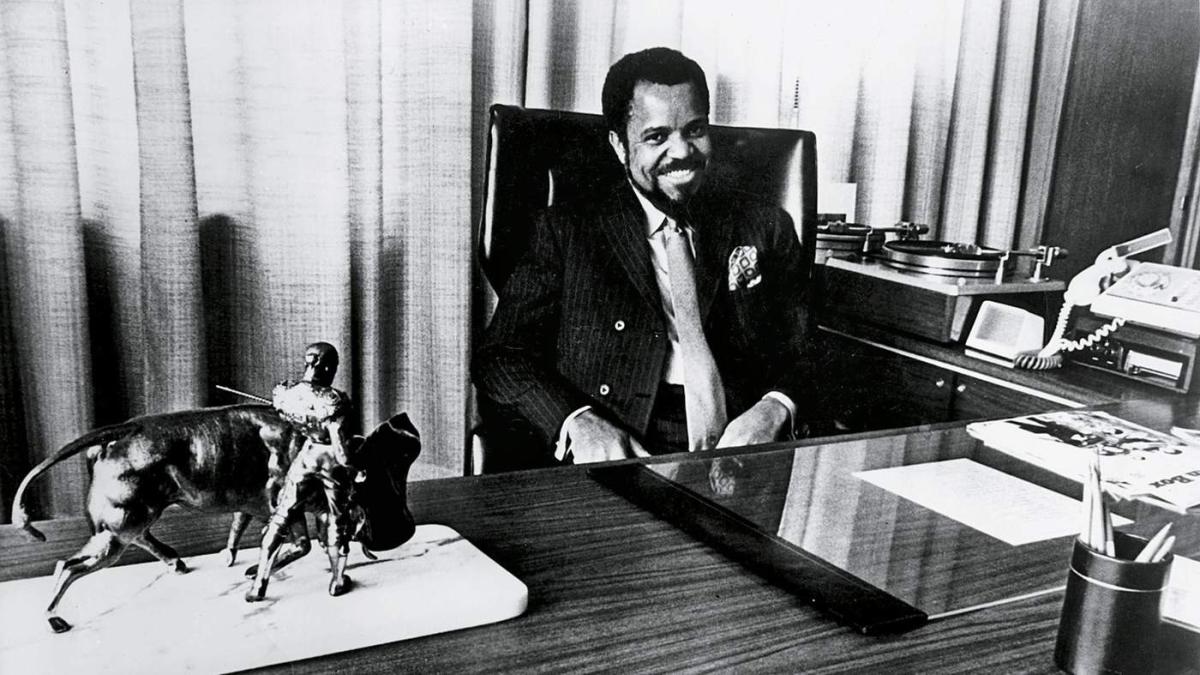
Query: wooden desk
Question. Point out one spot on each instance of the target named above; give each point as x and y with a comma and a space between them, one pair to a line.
614, 588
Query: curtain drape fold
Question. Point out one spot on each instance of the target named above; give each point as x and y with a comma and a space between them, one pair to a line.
193, 190
175, 359
44, 244
928, 107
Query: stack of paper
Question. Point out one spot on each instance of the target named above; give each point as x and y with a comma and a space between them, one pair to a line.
1137, 462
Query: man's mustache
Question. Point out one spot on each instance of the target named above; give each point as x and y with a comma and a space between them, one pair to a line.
681, 165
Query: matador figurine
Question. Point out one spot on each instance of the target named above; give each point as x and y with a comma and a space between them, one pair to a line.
324, 464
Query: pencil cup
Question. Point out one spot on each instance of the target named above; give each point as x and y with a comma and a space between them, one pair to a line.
1111, 612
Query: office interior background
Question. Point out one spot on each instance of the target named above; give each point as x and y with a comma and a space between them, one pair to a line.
193, 190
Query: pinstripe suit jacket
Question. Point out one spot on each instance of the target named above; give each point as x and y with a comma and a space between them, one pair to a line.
580, 321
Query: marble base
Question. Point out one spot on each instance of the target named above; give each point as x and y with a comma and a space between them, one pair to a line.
144, 618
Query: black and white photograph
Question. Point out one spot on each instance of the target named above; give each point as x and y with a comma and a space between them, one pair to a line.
380, 336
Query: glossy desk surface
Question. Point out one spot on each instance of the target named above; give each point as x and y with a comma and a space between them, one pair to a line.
613, 587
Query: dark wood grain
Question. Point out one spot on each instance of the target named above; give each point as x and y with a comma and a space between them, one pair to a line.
976, 399
614, 588
1073, 382
866, 388
871, 388
844, 596
621, 591
906, 308
1123, 124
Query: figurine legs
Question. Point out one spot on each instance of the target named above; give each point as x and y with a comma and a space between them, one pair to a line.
266, 561
339, 581
159, 550
99, 552
240, 521
337, 548
339, 525
288, 509
290, 550
314, 465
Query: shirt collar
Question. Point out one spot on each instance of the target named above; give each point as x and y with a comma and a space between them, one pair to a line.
654, 217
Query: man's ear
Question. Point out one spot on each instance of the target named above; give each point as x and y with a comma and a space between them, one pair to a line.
618, 146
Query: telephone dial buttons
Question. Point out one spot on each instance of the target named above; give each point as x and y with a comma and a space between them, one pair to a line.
1161, 285
1152, 280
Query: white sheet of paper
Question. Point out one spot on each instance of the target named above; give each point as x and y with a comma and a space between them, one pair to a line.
1181, 602
1014, 511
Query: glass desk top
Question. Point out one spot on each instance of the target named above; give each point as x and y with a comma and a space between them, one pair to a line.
870, 557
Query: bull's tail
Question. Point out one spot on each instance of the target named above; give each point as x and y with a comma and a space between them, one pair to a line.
101, 435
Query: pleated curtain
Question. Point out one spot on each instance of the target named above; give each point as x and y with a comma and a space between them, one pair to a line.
934, 109
193, 190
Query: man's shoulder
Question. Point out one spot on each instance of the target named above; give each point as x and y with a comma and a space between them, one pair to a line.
592, 205
580, 220
719, 201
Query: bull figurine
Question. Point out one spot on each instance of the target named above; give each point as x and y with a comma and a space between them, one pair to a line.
211, 459
227, 459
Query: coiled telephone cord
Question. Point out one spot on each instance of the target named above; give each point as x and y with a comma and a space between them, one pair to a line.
1051, 355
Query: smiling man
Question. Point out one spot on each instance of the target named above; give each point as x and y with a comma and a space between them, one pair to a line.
668, 317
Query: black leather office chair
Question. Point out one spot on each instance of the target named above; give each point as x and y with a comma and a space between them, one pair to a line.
536, 158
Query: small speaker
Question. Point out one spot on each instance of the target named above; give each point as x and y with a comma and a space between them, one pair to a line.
1002, 331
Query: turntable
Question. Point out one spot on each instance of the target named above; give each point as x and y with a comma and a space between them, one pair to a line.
839, 239
933, 289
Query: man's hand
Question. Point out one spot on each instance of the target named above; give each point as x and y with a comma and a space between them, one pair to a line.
760, 424
594, 439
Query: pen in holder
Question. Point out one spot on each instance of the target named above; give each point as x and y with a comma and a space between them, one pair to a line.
1112, 608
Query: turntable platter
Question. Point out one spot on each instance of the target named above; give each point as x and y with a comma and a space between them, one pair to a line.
943, 259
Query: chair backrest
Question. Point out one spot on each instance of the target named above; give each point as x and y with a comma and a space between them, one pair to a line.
536, 158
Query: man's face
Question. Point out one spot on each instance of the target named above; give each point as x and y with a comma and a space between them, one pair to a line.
666, 146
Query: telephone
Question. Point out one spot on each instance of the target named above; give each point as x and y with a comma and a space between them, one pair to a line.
1146, 293
1154, 295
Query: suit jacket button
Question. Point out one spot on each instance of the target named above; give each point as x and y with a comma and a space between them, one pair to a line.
604, 389
619, 325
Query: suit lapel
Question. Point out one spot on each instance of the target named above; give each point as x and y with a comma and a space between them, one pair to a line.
713, 236
625, 227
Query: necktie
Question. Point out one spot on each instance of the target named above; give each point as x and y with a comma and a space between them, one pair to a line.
704, 396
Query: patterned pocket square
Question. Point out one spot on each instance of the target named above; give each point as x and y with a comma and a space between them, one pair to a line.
743, 268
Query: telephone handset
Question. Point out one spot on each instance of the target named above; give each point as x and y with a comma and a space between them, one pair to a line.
1109, 286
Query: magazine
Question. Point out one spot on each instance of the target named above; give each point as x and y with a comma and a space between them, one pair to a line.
1135, 461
